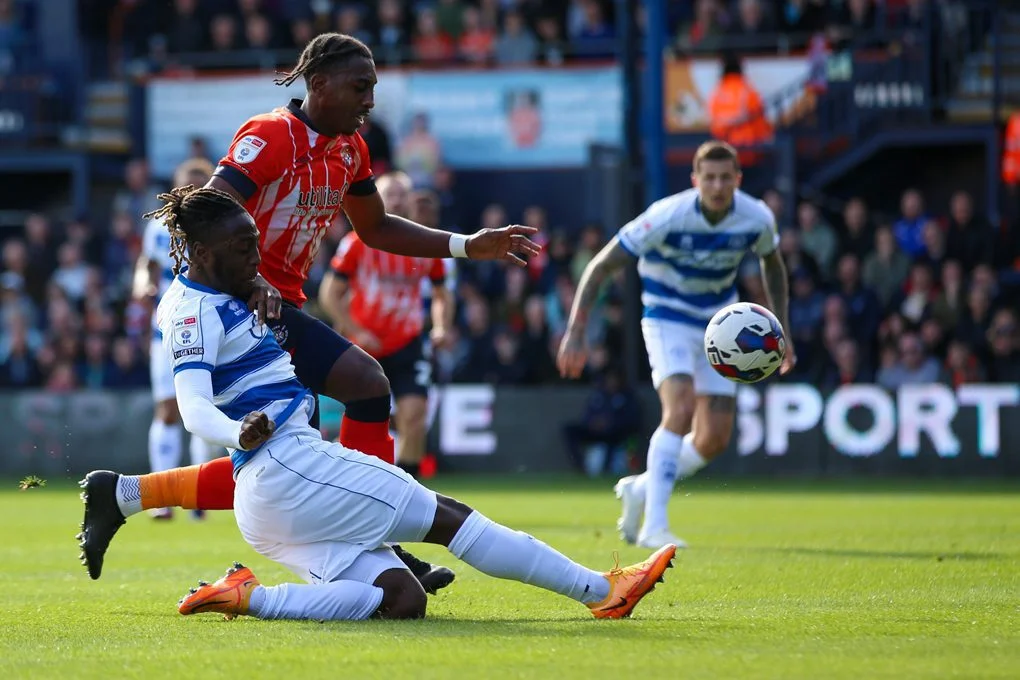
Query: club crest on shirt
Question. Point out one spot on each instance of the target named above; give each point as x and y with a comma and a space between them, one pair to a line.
347, 155
248, 149
280, 333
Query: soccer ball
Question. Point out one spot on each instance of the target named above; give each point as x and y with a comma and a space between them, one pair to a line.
745, 342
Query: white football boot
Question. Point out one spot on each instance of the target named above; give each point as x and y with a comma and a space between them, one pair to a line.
633, 509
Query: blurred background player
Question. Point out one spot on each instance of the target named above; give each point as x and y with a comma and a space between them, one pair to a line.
375, 299
689, 247
153, 273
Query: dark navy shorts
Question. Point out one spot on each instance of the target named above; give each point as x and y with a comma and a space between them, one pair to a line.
313, 345
408, 370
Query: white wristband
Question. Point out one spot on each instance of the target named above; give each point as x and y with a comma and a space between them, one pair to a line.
458, 245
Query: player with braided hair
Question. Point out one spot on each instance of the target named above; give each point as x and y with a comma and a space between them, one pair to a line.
320, 509
295, 169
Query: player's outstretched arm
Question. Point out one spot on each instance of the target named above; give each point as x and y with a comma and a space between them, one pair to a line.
774, 276
198, 412
400, 236
573, 354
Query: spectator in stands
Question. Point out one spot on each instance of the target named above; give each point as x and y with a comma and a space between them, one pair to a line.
392, 37
846, 367
258, 33
707, 30
121, 250
431, 46
588, 246
886, 269
187, 30
419, 153
72, 272
515, 44
864, 312
94, 368
1004, 346
612, 415
949, 304
479, 354
450, 18
913, 367
223, 34
62, 377
817, 238
934, 244
41, 256
909, 229
595, 37
752, 22
969, 239
552, 48
449, 211
536, 347
794, 256
856, 235
350, 21
851, 19
806, 312
974, 321
18, 366
476, 42
138, 196
12, 281
510, 367
302, 31
961, 364
919, 293
127, 371
379, 147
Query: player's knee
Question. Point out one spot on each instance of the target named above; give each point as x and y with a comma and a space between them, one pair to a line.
166, 412
711, 444
677, 418
404, 602
356, 376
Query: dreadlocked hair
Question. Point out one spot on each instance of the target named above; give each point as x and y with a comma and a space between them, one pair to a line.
190, 213
325, 51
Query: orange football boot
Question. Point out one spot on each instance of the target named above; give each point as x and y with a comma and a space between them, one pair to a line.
628, 585
228, 596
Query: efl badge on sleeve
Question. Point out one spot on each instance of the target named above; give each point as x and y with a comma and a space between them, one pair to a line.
187, 337
248, 149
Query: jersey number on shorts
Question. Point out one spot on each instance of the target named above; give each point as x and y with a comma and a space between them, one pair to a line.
422, 373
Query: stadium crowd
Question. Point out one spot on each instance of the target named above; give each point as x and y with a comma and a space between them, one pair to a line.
928, 295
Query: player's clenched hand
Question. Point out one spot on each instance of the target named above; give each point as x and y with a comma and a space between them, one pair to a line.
442, 338
507, 244
256, 428
265, 300
572, 355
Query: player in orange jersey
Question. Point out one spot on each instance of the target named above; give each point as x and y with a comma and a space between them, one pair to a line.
294, 169
374, 298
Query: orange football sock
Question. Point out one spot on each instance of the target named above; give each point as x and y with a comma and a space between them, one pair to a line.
170, 488
209, 486
370, 438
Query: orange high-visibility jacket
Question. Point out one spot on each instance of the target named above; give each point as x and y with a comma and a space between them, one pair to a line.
1011, 151
736, 113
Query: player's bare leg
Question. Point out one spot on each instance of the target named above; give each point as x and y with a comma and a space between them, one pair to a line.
411, 428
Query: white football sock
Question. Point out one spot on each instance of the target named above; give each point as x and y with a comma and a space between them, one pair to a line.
129, 495
498, 551
690, 461
670, 457
202, 451
335, 601
164, 446
663, 463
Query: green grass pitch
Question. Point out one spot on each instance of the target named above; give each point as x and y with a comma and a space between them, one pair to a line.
783, 580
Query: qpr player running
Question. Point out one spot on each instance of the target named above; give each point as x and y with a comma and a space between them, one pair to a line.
322, 510
688, 247
295, 169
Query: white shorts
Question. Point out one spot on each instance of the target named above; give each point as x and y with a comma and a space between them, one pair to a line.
161, 374
325, 511
676, 348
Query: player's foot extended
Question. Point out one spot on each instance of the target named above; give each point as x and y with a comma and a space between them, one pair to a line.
633, 508
657, 538
102, 518
628, 585
228, 596
161, 514
433, 578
